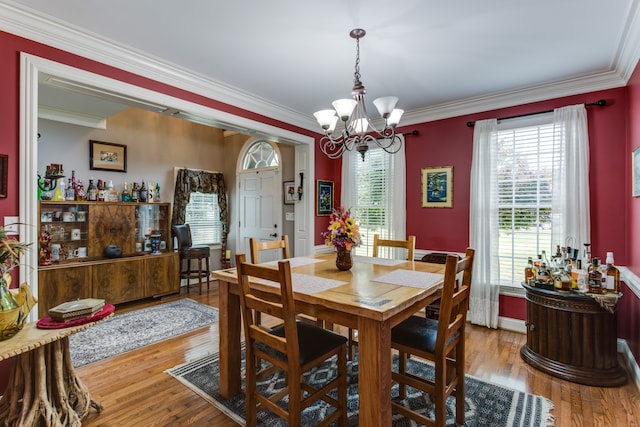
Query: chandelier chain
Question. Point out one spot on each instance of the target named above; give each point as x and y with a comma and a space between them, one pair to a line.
356, 75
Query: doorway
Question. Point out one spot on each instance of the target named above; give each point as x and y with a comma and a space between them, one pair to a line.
31, 66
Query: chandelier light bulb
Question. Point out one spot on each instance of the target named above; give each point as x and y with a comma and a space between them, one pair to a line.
358, 130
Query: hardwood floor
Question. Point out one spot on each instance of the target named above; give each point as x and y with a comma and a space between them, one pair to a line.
135, 391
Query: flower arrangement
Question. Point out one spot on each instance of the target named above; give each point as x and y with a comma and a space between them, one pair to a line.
343, 232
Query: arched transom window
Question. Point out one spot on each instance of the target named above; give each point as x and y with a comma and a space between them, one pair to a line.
260, 155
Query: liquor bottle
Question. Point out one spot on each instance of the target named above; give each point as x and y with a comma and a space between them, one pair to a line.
126, 196
528, 272
536, 266
101, 190
157, 193
135, 192
70, 192
150, 191
143, 193
59, 195
92, 191
544, 275
80, 193
612, 275
595, 277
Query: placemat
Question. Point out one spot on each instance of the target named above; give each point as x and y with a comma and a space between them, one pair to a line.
416, 279
378, 261
296, 261
307, 284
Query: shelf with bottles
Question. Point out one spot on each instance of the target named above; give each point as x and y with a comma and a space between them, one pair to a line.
566, 272
152, 228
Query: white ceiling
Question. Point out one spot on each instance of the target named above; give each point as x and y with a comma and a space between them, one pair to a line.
432, 54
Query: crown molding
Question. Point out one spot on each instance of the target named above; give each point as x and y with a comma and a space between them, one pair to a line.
73, 118
30, 24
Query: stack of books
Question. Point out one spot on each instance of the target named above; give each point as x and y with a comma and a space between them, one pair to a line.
77, 309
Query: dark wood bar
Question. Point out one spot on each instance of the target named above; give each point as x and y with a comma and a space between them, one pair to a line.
570, 336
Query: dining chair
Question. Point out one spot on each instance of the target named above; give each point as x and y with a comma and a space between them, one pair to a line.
432, 310
292, 348
410, 246
441, 341
256, 247
187, 253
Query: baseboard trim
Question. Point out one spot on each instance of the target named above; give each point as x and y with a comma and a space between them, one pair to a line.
514, 325
631, 364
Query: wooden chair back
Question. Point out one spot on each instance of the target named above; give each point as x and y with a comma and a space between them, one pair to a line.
256, 247
454, 302
409, 245
281, 306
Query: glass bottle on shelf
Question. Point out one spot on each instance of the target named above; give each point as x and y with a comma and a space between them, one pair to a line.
92, 191
126, 196
60, 192
135, 192
528, 271
595, 277
143, 192
157, 193
80, 193
150, 191
101, 194
70, 192
612, 275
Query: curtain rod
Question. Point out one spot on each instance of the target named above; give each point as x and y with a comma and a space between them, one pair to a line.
599, 103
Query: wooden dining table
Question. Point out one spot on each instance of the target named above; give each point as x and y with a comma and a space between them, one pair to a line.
373, 296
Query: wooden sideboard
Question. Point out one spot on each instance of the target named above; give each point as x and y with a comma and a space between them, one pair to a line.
570, 336
91, 227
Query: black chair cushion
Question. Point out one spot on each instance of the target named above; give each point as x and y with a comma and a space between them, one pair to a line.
436, 257
313, 341
419, 333
195, 251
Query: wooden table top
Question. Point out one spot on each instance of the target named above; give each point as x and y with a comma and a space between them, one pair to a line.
357, 291
31, 337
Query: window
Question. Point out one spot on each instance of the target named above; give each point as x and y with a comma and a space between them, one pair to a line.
524, 161
374, 190
203, 216
260, 155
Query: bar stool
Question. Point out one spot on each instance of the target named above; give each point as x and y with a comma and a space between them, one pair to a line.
187, 253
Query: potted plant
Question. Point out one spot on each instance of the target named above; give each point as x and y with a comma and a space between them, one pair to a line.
15, 305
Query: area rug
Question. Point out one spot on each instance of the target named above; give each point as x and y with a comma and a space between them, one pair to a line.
486, 404
135, 329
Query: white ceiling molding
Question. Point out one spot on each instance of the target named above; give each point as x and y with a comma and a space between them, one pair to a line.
73, 118
23, 22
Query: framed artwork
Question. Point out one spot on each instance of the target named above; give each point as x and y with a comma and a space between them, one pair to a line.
4, 176
324, 192
437, 187
289, 192
635, 160
106, 156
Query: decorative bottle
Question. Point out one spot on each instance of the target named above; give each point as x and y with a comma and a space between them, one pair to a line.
595, 277
92, 191
126, 197
528, 271
150, 195
612, 275
157, 193
135, 192
70, 193
143, 192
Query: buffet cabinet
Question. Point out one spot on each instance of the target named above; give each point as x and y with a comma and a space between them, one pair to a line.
74, 261
570, 336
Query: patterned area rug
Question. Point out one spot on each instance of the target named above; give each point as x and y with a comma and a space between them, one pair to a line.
135, 329
486, 404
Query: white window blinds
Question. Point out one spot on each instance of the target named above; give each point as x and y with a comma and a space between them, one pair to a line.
203, 216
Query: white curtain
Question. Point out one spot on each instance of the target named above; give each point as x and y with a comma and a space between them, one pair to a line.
571, 217
483, 225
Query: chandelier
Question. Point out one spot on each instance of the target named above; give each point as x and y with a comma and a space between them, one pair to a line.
357, 129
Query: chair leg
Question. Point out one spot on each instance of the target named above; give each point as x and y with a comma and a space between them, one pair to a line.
342, 386
250, 391
206, 260
402, 369
440, 398
352, 343
200, 276
460, 398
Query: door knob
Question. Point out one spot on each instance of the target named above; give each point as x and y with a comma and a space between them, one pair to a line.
274, 235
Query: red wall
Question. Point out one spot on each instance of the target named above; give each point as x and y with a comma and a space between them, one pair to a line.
440, 143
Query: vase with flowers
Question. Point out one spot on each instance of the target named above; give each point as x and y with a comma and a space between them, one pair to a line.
16, 304
344, 234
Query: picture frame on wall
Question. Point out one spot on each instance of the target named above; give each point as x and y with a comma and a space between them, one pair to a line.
635, 167
324, 194
289, 192
107, 156
437, 187
4, 175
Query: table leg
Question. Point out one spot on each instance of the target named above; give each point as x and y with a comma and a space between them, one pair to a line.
374, 372
230, 321
44, 389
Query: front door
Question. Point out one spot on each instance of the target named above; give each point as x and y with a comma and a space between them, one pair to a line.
260, 213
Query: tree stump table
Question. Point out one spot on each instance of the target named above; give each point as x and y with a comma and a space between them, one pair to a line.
43, 388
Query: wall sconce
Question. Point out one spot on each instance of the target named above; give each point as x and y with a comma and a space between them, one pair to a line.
300, 186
